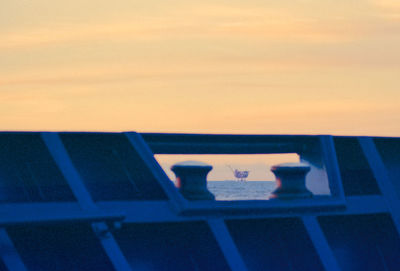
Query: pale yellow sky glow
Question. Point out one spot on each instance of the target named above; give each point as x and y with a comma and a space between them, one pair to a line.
264, 67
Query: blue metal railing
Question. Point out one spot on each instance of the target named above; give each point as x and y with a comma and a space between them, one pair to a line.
324, 229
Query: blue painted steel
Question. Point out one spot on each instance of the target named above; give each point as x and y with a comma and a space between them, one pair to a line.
357, 177
332, 167
227, 245
320, 243
70, 222
226, 144
274, 244
176, 199
60, 156
66, 166
382, 178
362, 242
9, 254
51, 215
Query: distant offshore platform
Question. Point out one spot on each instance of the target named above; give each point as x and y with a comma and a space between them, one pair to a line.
240, 175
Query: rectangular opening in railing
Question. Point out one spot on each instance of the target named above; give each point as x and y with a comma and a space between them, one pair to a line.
298, 171
235, 177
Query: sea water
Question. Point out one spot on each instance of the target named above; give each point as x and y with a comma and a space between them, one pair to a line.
237, 190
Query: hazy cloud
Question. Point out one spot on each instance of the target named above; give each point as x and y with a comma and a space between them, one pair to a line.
212, 66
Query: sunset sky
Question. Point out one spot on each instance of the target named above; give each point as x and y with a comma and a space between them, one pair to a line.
264, 67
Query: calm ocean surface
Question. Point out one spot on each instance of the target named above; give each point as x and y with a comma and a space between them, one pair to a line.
235, 190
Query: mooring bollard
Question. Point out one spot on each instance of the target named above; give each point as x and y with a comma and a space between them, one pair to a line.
191, 177
291, 181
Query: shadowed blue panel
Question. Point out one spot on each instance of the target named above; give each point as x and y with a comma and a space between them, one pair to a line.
66, 247
27, 171
2, 266
356, 174
170, 246
363, 242
274, 244
110, 168
389, 150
